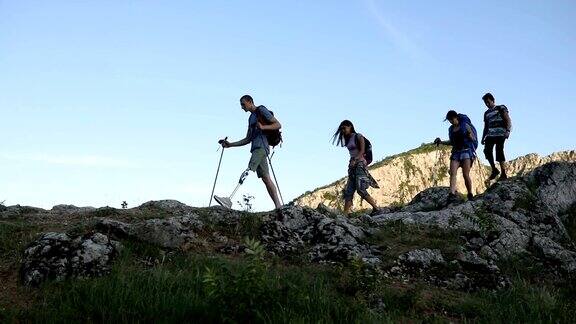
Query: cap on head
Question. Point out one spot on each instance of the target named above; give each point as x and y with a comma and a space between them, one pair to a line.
451, 114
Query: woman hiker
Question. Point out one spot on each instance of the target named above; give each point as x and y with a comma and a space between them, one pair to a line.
464, 141
358, 177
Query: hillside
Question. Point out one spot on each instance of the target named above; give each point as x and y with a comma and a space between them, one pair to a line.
507, 257
404, 175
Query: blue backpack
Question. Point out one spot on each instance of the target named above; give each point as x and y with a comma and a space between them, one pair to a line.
464, 122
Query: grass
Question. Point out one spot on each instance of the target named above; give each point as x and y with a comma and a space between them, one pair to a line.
196, 288
179, 287
14, 235
523, 303
482, 218
526, 202
248, 224
398, 238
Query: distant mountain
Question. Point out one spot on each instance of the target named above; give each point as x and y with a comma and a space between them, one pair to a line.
404, 175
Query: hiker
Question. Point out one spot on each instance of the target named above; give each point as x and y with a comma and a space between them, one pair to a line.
358, 177
497, 127
260, 122
464, 142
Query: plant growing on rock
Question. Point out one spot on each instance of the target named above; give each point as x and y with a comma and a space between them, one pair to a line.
483, 219
247, 202
238, 293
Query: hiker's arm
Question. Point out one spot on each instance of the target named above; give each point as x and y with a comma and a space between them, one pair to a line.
246, 140
274, 124
361, 148
485, 131
508, 121
446, 142
438, 141
470, 133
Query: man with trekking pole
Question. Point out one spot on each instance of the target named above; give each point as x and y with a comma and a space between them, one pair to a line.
261, 124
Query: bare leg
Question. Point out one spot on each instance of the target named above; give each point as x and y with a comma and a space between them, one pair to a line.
466, 166
347, 206
503, 168
272, 191
371, 201
454, 165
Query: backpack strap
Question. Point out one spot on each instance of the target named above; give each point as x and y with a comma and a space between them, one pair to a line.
357, 139
261, 115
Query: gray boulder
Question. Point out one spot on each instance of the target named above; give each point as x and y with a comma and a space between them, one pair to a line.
71, 209
422, 259
553, 251
326, 236
58, 256
173, 232
434, 198
168, 206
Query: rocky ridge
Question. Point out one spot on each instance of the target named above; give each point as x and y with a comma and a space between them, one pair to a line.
523, 217
404, 175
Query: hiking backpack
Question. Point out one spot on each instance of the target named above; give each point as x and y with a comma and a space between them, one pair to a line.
367, 149
465, 120
274, 137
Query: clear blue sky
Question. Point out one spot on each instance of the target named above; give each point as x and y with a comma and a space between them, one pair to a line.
105, 101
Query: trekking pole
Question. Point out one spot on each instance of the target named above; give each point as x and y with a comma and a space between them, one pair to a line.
217, 171
480, 169
437, 164
274, 174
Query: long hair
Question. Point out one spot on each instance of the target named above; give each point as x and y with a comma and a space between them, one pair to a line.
338, 137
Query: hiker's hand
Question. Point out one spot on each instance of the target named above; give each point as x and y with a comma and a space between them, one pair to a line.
224, 143
357, 160
507, 134
260, 126
437, 141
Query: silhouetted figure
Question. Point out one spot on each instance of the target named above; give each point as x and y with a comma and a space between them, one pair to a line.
359, 180
497, 127
260, 121
464, 141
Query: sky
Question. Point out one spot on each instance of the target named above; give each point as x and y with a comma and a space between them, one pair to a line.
115, 100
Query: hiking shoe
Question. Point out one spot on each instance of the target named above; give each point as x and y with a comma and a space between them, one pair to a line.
279, 215
494, 174
503, 177
452, 198
224, 201
470, 197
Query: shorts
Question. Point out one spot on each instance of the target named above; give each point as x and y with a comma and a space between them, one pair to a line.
358, 181
466, 154
259, 163
497, 142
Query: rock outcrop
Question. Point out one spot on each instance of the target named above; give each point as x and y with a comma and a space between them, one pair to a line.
520, 217
58, 256
174, 232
